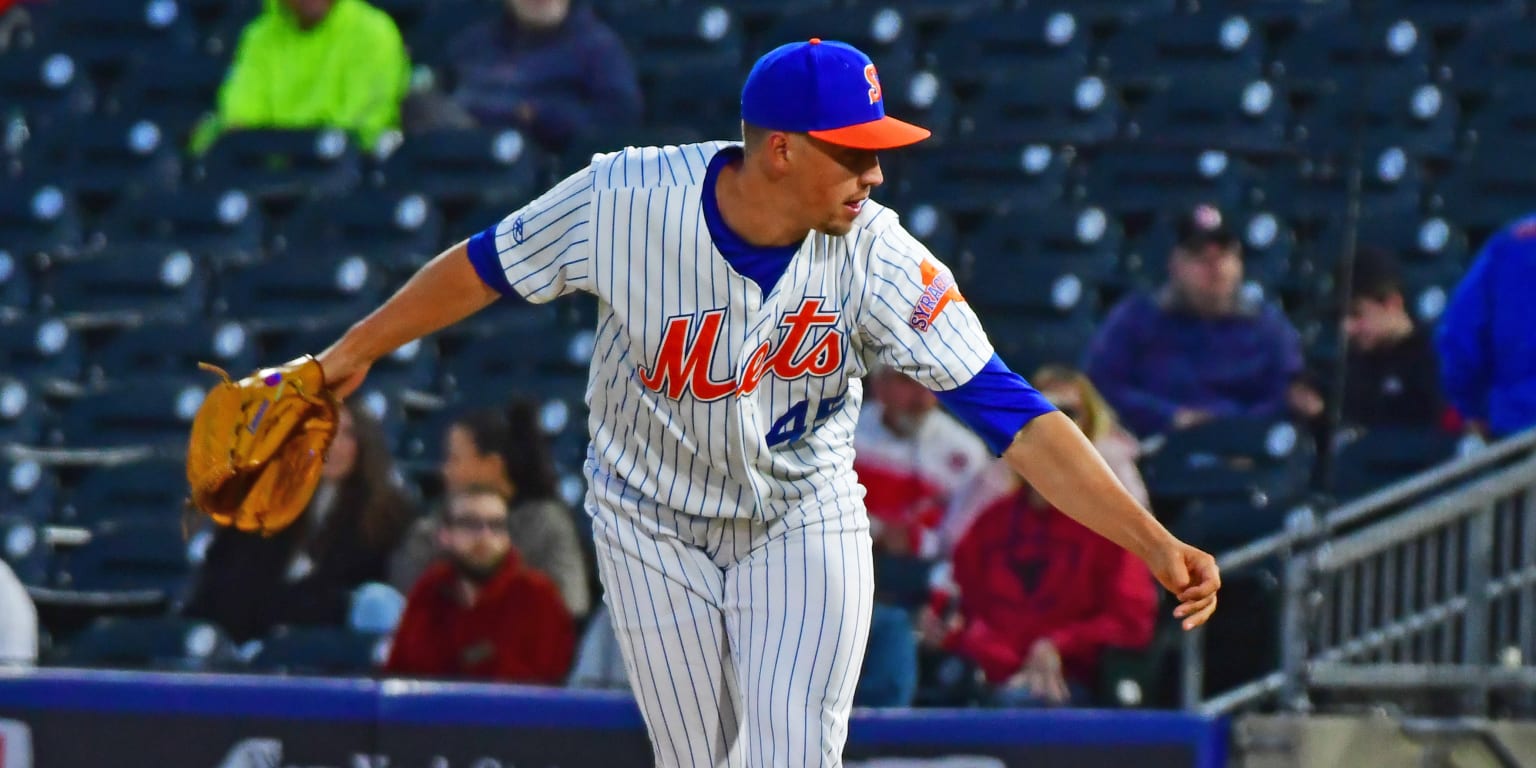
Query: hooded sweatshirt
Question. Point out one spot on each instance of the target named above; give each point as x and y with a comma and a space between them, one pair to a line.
350, 71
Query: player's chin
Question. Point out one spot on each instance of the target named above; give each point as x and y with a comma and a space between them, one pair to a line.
837, 227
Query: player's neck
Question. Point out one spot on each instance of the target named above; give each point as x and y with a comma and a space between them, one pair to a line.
755, 209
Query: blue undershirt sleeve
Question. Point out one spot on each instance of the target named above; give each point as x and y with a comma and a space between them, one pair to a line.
996, 403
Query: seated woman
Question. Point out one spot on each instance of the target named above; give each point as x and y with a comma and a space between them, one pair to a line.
1040, 596
505, 449
306, 574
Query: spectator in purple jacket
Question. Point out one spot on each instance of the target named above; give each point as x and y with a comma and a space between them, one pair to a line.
1197, 348
549, 68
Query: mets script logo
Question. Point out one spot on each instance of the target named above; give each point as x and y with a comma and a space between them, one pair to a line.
939, 290
687, 348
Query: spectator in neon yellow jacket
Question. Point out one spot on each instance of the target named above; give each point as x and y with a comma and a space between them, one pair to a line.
313, 64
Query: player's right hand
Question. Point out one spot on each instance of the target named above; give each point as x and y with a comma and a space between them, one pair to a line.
1192, 576
343, 373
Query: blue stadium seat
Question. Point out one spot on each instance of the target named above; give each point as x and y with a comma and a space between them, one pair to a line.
166, 643
1112, 14
150, 490
1083, 239
1169, 46
42, 347
1335, 53
886, 32
320, 651
15, 285
1417, 240
682, 42
1026, 342
24, 547
429, 39
970, 180
1264, 462
1492, 55
171, 89
46, 86
1490, 188
1418, 117
709, 100
1508, 115
1215, 107
102, 159
1283, 16
489, 361
1147, 180
104, 34
1371, 459
221, 222
1268, 245
175, 347
28, 489
127, 284
301, 289
414, 366
1043, 289
1318, 192
395, 227
1454, 16
38, 216
990, 43
462, 167
283, 165
155, 410
23, 416
1053, 103
137, 562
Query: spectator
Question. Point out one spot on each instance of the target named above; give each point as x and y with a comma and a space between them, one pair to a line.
480, 613
1487, 337
911, 459
18, 621
1392, 373
306, 573
545, 67
1040, 596
314, 64
1198, 348
507, 451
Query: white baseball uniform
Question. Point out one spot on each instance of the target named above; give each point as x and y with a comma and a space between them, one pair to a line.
730, 531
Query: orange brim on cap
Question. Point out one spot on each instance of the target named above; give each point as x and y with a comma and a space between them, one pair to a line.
885, 133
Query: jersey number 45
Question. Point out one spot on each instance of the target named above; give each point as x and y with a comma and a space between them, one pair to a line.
791, 426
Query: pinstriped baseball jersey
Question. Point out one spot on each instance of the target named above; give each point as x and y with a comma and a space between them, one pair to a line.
707, 395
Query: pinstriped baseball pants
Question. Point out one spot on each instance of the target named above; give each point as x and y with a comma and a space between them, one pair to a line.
742, 639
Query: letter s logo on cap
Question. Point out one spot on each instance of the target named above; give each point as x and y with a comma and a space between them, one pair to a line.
874, 82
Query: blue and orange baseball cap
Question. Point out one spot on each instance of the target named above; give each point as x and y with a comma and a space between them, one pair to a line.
827, 89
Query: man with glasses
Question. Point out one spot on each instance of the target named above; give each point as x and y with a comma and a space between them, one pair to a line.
1198, 348
479, 613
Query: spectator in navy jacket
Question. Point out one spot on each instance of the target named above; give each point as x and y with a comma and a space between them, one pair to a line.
1487, 337
1197, 348
549, 68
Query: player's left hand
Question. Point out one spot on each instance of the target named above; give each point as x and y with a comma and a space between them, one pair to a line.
1192, 576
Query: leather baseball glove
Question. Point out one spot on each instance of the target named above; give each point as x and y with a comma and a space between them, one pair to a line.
258, 445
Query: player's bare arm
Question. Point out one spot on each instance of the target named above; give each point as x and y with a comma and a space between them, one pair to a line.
440, 294
1052, 454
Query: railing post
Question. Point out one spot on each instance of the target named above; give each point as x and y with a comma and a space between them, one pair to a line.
1295, 625
1476, 622
1192, 669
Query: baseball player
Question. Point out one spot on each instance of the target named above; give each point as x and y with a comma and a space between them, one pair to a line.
741, 287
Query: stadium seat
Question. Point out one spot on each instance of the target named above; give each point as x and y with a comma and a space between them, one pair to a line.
491, 359
37, 216
104, 158
1214, 107
1083, 239
24, 547
710, 99
301, 289
166, 643
413, 366
222, 223
1492, 187
1418, 117
1173, 45
1026, 342
150, 490
1369, 460
1114, 14
46, 86
1392, 181
1508, 115
15, 285
131, 562
171, 89
1054, 103
1261, 462
406, 13
23, 415
102, 35
989, 43
1268, 245
429, 39
886, 32
127, 284
28, 489
155, 410
1333, 54
320, 651
1144, 181
283, 165
682, 42
1492, 55
1285, 16
394, 227
175, 347
970, 180
1415, 239
42, 348
1454, 16
459, 168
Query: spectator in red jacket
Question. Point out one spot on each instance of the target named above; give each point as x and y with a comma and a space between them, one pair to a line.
1040, 596
479, 613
